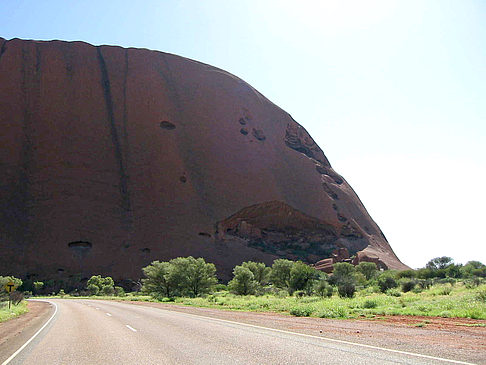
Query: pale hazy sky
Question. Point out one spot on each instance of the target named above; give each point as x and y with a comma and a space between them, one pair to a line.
394, 92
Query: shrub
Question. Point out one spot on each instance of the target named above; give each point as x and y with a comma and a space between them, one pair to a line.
119, 291
439, 263
368, 269
481, 295
301, 311
445, 290
386, 282
370, 303
343, 272
334, 312
93, 289
260, 272
179, 276
280, 273
99, 285
302, 277
408, 285
425, 283
38, 285
323, 289
346, 289
243, 282
193, 276
393, 292
158, 279
220, 287
407, 274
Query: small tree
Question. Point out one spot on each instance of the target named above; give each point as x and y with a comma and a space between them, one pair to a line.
342, 271
38, 285
99, 285
243, 282
260, 271
473, 268
119, 291
386, 281
193, 276
368, 269
280, 274
323, 289
346, 288
158, 281
408, 285
302, 277
439, 263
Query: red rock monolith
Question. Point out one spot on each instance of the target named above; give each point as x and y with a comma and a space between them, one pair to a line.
112, 158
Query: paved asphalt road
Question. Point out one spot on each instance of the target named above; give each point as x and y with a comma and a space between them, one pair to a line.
105, 332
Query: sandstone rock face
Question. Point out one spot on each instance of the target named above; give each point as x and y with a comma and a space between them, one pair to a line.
112, 158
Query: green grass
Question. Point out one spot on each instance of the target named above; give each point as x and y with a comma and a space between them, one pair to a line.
14, 311
440, 300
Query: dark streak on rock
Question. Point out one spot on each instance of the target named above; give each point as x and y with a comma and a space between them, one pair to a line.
20, 202
105, 84
3, 49
127, 212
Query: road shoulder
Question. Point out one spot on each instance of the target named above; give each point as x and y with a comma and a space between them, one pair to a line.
16, 331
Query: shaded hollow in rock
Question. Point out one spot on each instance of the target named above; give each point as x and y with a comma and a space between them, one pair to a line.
167, 125
258, 134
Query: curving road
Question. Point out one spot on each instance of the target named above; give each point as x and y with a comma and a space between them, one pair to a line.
105, 332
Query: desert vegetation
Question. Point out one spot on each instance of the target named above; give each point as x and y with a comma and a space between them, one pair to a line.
18, 305
442, 288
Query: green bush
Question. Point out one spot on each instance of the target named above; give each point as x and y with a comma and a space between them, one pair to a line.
323, 289
243, 282
481, 295
261, 273
393, 292
280, 273
386, 282
119, 291
408, 285
370, 303
346, 289
368, 269
180, 276
97, 285
302, 277
343, 272
445, 290
301, 311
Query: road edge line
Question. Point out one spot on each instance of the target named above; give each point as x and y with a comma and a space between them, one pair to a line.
324, 338
34, 336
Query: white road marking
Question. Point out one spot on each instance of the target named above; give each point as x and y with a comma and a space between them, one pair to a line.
34, 336
131, 328
108, 314
97, 308
328, 339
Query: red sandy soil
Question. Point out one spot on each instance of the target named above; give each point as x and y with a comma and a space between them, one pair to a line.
15, 332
